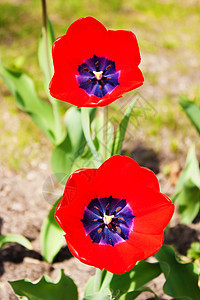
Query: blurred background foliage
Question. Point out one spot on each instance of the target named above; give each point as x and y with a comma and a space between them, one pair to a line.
167, 32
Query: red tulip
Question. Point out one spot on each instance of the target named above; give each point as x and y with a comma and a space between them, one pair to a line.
94, 66
115, 215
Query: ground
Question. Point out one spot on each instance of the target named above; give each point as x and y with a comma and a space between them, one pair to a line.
159, 135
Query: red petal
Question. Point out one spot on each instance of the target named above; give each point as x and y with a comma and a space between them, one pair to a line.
121, 175
123, 49
147, 200
79, 184
149, 244
86, 37
154, 222
118, 259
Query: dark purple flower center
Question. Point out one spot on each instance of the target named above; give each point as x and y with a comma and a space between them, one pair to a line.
108, 221
98, 76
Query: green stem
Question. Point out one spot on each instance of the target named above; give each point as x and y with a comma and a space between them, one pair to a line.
54, 103
105, 129
85, 118
97, 280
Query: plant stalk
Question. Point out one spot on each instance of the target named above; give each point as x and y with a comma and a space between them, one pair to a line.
105, 129
54, 103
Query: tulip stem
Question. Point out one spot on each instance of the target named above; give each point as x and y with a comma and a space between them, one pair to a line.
97, 280
105, 131
54, 103
85, 118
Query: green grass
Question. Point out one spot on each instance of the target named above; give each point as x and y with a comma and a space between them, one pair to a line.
162, 28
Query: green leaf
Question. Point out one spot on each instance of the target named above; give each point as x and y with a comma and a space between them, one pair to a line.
140, 275
85, 119
194, 251
65, 154
51, 236
46, 63
86, 160
98, 129
63, 289
191, 170
188, 200
187, 190
15, 238
134, 294
103, 295
120, 285
22, 87
105, 278
181, 279
121, 131
192, 111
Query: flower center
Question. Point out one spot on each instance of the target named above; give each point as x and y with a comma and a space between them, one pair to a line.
108, 220
98, 76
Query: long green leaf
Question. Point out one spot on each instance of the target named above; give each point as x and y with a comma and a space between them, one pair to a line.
51, 236
188, 200
85, 119
22, 87
191, 170
134, 294
187, 191
140, 275
98, 128
192, 111
121, 131
63, 289
46, 63
120, 285
15, 238
181, 279
65, 154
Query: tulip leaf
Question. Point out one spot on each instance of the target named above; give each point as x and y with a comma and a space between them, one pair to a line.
98, 128
104, 278
188, 200
192, 111
86, 160
86, 125
15, 238
121, 285
187, 190
140, 275
191, 170
46, 63
103, 295
65, 154
51, 236
134, 294
44, 289
121, 131
22, 88
181, 279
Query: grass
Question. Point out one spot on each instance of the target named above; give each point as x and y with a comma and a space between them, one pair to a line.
163, 28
